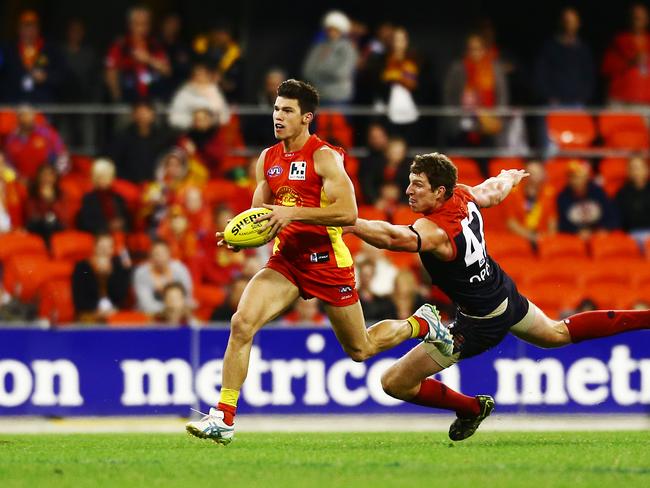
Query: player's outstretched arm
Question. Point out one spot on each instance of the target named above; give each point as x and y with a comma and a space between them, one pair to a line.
494, 190
341, 208
423, 235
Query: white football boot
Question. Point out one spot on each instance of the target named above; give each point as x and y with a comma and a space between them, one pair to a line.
212, 427
439, 334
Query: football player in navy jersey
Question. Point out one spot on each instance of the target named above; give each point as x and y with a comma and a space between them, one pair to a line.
450, 240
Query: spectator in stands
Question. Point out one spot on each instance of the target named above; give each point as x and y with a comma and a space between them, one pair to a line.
257, 127
12, 197
13, 310
399, 76
151, 277
205, 144
633, 200
218, 266
137, 148
583, 206
181, 238
220, 49
383, 281
199, 93
136, 63
371, 64
397, 165
33, 68
330, 63
305, 313
225, 311
100, 285
626, 63
34, 144
45, 211
103, 209
476, 83
198, 213
178, 53
390, 196
564, 70
374, 307
371, 168
407, 296
79, 85
530, 207
177, 309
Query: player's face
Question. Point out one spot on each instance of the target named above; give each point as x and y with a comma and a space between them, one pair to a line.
288, 121
422, 198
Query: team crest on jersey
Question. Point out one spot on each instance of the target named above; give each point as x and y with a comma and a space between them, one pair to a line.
288, 197
298, 170
274, 171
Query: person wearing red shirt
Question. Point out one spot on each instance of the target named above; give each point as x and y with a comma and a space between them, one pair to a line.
136, 62
34, 144
627, 61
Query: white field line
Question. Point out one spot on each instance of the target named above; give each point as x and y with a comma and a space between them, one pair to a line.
325, 423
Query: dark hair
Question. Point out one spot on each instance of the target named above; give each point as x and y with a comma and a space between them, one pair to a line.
159, 242
439, 169
174, 285
302, 91
34, 184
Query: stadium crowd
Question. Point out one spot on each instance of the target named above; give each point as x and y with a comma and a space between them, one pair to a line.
126, 235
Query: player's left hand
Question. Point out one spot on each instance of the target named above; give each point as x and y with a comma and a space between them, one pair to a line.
278, 219
516, 174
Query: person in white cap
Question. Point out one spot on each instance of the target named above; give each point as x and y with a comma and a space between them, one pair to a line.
330, 63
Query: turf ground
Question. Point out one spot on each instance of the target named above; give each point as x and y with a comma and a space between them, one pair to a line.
490, 459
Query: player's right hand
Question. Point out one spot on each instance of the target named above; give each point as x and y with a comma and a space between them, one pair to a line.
222, 242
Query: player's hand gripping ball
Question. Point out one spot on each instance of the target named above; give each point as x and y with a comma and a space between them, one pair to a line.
242, 231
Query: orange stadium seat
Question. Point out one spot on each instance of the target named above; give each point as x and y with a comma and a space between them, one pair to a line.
557, 172
517, 267
403, 215
208, 297
641, 276
21, 243
571, 130
334, 128
72, 245
614, 245
131, 192
370, 212
614, 173
623, 130
469, 172
353, 243
494, 219
549, 276
409, 260
24, 275
508, 245
608, 295
56, 302
602, 274
496, 165
553, 300
561, 246
128, 318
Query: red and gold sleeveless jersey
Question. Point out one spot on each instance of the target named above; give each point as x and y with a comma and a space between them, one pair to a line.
294, 182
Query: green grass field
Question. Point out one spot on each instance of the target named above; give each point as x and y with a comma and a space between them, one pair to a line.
583, 459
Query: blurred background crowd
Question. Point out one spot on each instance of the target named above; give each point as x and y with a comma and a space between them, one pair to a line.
118, 162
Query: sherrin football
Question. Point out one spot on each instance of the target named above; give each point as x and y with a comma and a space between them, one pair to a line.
243, 231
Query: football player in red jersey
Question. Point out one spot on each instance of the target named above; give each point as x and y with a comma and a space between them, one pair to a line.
303, 181
450, 240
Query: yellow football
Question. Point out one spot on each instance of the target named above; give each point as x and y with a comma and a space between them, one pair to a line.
243, 231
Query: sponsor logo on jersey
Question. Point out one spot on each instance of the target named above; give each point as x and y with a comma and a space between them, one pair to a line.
319, 257
288, 197
345, 289
298, 171
274, 171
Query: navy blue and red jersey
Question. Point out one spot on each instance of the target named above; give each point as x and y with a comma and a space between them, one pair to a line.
472, 279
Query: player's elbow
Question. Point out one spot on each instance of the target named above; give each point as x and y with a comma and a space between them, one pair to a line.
349, 217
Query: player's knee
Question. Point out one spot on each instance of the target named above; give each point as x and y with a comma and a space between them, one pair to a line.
242, 328
390, 384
